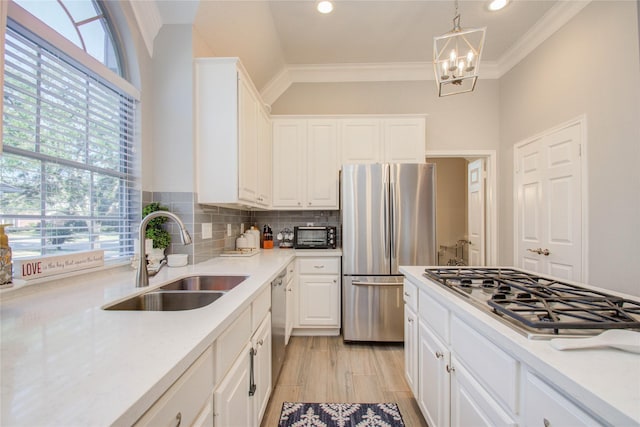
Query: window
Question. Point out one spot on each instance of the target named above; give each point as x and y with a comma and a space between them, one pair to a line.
67, 173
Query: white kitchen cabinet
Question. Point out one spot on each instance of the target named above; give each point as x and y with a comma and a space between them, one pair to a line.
188, 400
434, 364
305, 164
319, 292
383, 140
471, 404
291, 285
229, 115
410, 296
265, 159
231, 400
261, 344
544, 406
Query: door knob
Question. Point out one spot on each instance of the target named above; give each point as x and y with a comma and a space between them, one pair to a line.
540, 251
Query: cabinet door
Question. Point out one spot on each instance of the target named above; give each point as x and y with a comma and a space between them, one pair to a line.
404, 140
319, 303
322, 164
543, 406
471, 404
291, 286
360, 141
411, 349
434, 382
233, 406
248, 143
265, 160
289, 139
262, 368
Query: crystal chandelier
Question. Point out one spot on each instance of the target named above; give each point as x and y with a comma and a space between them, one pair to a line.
456, 58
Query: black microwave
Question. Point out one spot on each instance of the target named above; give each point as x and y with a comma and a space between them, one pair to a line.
314, 237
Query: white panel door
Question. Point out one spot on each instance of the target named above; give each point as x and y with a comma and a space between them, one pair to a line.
361, 141
476, 209
404, 140
548, 181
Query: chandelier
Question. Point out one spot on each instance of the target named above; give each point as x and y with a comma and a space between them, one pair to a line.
456, 58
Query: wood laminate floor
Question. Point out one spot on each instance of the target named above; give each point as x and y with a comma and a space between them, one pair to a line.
325, 369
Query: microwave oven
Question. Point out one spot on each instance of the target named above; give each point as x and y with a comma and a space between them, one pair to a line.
314, 237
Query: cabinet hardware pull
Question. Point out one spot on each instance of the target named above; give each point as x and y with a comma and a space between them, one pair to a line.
410, 320
546, 422
318, 266
439, 355
252, 381
450, 369
261, 342
178, 419
406, 294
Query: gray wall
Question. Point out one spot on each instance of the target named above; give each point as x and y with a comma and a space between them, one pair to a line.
591, 67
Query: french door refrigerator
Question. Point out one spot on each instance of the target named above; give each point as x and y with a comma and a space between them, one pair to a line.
388, 220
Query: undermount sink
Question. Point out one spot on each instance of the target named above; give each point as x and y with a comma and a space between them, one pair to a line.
187, 293
205, 283
167, 301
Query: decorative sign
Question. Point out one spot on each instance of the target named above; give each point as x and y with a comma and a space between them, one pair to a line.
35, 268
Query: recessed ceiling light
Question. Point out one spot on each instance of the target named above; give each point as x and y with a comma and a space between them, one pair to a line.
324, 6
497, 4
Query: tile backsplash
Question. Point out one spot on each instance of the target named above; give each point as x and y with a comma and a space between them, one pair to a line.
193, 214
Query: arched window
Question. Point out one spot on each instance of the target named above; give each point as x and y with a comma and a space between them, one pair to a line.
68, 174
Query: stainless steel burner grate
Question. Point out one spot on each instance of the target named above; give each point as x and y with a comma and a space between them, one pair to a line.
539, 305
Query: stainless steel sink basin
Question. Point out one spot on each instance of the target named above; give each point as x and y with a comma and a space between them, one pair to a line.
167, 301
205, 283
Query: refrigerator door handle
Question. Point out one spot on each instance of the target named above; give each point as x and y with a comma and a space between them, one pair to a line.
385, 186
392, 205
358, 283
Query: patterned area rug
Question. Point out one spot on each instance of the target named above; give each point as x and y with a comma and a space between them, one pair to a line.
296, 414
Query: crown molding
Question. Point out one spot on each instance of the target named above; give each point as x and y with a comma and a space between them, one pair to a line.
552, 21
555, 18
149, 21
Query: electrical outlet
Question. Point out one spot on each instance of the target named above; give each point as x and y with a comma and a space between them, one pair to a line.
309, 224
228, 230
241, 227
207, 230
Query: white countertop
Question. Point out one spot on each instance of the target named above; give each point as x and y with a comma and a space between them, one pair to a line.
604, 381
66, 361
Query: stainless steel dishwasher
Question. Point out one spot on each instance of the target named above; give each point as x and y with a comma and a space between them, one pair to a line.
278, 317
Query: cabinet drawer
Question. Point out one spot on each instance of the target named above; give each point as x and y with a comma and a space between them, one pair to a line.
434, 314
494, 369
186, 398
260, 307
328, 265
544, 406
410, 295
231, 341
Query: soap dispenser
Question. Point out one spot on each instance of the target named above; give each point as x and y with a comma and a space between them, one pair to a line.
5, 259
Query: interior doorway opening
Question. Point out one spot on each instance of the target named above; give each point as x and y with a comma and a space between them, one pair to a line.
466, 207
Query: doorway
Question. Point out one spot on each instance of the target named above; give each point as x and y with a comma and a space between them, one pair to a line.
465, 207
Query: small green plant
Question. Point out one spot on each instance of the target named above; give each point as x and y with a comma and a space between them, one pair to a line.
161, 238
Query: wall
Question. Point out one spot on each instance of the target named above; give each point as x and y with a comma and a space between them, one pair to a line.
451, 207
591, 67
457, 122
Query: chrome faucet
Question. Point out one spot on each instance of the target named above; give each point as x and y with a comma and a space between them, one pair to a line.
142, 275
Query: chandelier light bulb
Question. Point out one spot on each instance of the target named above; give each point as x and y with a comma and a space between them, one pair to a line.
453, 57
445, 68
324, 6
470, 66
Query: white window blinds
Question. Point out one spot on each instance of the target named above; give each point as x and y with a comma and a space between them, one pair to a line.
68, 173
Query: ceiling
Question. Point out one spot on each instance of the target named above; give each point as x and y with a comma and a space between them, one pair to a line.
282, 42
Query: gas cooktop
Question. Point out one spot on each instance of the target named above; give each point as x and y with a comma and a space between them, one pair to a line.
536, 306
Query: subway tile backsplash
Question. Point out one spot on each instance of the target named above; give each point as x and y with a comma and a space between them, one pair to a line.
193, 214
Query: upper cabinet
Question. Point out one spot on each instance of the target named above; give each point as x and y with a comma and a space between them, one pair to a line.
305, 164
383, 139
233, 136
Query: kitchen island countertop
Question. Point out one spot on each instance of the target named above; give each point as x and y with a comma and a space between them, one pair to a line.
605, 382
66, 361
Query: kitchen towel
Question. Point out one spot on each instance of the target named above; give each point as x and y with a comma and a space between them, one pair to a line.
296, 414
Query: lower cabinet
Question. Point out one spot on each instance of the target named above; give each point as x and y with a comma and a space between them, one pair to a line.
291, 285
319, 292
231, 400
188, 400
261, 345
411, 349
433, 382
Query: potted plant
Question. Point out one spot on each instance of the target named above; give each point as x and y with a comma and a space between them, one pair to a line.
160, 237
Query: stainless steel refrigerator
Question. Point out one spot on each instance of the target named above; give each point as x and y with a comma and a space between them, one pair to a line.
388, 220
